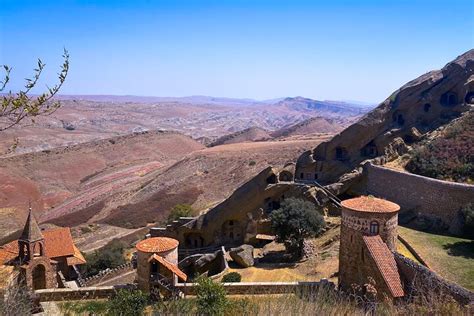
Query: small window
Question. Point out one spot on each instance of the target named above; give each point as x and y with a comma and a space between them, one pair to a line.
427, 107
231, 222
302, 175
374, 228
352, 238
341, 154
362, 254
449, 99
315, 176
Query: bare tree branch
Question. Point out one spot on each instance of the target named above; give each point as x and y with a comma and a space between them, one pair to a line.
15, 107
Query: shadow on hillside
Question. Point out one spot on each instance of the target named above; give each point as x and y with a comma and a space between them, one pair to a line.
463, 249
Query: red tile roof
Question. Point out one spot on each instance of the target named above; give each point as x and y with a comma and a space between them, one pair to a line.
157, 244
8, 252
370, 204
386, 264
76, 259
58, 243
170, 266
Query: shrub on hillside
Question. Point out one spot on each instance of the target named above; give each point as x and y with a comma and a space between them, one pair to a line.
231, 277
127, 303
294, 221
110, 256
180, 210
210, 297
449, 156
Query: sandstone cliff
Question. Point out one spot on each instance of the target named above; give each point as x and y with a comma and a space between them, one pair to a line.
418, 107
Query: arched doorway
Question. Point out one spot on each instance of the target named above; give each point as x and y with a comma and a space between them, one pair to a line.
39, 277
193, 240
232, 231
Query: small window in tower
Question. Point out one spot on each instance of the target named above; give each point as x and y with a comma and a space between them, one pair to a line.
352, 238
374, 228
302, 175
362, 254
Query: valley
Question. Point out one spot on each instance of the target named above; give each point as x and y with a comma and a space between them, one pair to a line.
94, 163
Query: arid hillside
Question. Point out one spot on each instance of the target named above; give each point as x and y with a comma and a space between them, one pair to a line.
311, 128
87, 118
46, 179
313, 125
203, 178
251, 134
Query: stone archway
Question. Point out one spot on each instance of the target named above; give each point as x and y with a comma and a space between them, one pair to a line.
193, 240
39, 277
232, 231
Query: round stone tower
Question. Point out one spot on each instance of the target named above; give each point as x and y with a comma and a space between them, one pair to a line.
364, 216
147, 269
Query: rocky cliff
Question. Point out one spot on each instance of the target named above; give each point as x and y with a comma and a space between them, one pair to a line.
418, 107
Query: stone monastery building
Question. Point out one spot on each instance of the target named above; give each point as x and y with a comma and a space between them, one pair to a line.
157, 264
40, 259
368, 241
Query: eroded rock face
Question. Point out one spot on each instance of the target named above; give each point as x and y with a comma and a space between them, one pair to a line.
242, 255
210, 264
419, 106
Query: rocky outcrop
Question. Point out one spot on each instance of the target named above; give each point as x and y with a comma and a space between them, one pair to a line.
242, 255
418, 107
210, 264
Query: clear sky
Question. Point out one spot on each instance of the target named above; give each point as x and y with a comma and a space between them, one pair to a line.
338, 50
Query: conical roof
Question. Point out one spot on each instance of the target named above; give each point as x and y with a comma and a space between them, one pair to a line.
31, 231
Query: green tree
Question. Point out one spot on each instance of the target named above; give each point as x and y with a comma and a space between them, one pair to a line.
294, 221
110, 256
210, 297
180, 210
128, 303
15, 107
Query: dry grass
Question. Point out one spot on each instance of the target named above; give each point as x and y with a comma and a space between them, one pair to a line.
450, 257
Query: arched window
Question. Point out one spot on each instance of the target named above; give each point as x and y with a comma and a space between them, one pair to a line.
38, 250
374, 228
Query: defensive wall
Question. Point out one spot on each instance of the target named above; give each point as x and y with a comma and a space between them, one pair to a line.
420, 194
240, 288
420, 279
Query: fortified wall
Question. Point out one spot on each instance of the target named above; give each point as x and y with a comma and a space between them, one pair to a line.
423, 195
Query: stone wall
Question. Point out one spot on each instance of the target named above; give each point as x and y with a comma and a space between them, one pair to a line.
105, 275
423, 280
426, 196
93, 292
252, 288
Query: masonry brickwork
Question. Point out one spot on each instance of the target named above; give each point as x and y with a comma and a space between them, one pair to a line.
356, 264
424, 195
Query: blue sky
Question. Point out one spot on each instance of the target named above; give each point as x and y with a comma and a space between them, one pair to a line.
338, 50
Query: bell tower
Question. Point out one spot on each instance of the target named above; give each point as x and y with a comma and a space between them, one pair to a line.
31, 241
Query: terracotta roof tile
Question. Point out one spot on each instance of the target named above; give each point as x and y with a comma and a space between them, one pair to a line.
170, 266
386, 264
157, 244
370, 204
58, 242
76, 259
